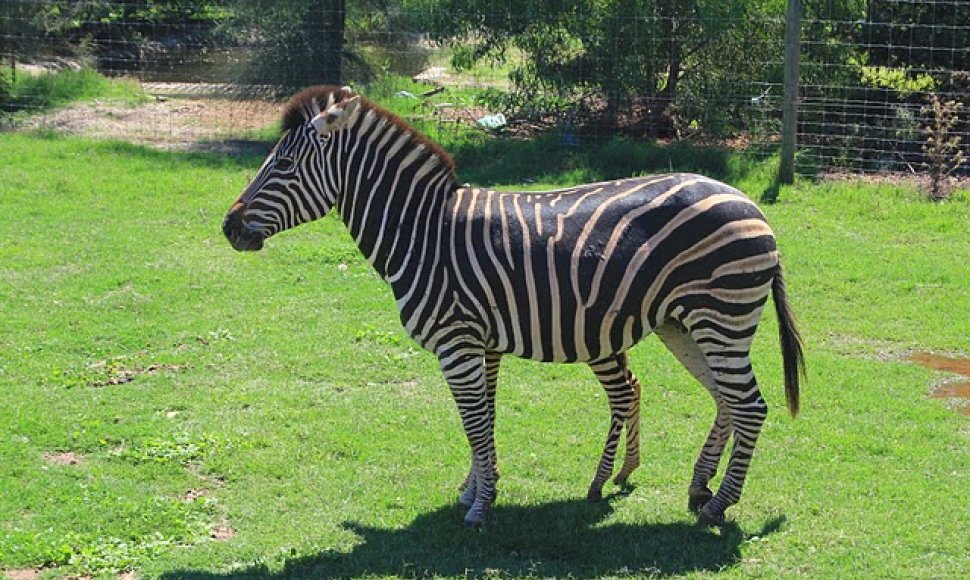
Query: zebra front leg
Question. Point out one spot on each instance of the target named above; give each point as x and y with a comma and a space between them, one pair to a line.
465, 372
632, 459
468, 487
613, 375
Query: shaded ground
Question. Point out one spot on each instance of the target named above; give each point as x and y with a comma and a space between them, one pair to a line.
551, 540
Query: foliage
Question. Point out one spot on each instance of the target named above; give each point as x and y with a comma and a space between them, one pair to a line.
645, 60
899, 80
119, 31
297, 42
927, 36
303, 42
387, 40
881, 59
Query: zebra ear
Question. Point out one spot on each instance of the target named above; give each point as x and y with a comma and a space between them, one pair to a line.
336, 116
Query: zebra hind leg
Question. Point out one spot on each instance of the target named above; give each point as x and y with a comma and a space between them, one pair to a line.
746, 411
679, 342
468, 488
725, 344
622, 395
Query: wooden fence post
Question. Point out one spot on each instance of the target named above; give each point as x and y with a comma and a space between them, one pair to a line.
789, 122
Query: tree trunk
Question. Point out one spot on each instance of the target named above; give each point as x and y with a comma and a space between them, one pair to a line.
334, 26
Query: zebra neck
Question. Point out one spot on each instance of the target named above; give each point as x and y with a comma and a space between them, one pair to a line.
394, 213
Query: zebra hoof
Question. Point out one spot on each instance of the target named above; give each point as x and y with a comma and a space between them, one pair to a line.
594, 495
475, 517
697, 498
472, 524
708, 519
624, 474
467, 497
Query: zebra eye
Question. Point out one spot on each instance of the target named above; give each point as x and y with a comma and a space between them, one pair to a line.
284, 164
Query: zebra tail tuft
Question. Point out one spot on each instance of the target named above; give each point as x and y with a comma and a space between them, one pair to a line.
791, 342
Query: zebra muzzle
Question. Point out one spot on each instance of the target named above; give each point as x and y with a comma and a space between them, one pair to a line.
240, 235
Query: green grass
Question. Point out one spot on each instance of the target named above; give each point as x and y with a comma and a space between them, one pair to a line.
275, 394
32, 93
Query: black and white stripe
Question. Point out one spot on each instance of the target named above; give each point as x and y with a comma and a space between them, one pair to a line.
574, 275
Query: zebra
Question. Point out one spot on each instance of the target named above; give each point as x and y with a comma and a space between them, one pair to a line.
578, 274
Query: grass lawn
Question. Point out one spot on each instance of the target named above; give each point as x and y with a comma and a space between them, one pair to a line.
32, 93
172, 407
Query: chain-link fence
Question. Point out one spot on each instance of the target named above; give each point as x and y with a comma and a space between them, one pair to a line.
705, 71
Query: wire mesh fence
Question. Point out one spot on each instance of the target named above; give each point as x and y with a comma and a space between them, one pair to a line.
706, 71
870, 81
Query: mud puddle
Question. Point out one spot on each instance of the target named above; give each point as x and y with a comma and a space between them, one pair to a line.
955, 390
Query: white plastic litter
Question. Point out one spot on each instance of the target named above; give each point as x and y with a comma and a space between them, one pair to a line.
496, 121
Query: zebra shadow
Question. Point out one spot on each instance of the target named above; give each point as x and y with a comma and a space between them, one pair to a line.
558, 539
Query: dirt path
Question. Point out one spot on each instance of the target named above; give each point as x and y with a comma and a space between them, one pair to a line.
190, 124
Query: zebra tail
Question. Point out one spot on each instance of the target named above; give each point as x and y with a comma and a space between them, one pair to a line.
791, 342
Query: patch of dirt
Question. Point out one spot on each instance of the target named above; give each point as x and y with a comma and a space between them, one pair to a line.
222, 533
461, 114
64, 458
219, 125
194, 494
113, 373
434, 75
24, 574
34, 573
210, 480
920, 181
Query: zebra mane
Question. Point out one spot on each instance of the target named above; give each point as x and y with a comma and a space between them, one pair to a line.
306, 104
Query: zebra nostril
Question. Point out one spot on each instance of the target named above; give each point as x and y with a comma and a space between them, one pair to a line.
230, 226
233, 224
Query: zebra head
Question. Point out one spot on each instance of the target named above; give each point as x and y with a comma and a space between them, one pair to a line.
295, 184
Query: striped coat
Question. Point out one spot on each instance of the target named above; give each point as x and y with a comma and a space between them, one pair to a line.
574, 275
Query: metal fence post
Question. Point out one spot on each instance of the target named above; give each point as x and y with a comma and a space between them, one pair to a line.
789, 125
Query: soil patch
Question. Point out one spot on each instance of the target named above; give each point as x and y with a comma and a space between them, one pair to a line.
65, 458
223, 532
952, 390
217, 125
115, 374
25, 574
194, 494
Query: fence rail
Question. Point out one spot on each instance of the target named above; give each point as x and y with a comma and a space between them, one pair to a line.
708, 71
